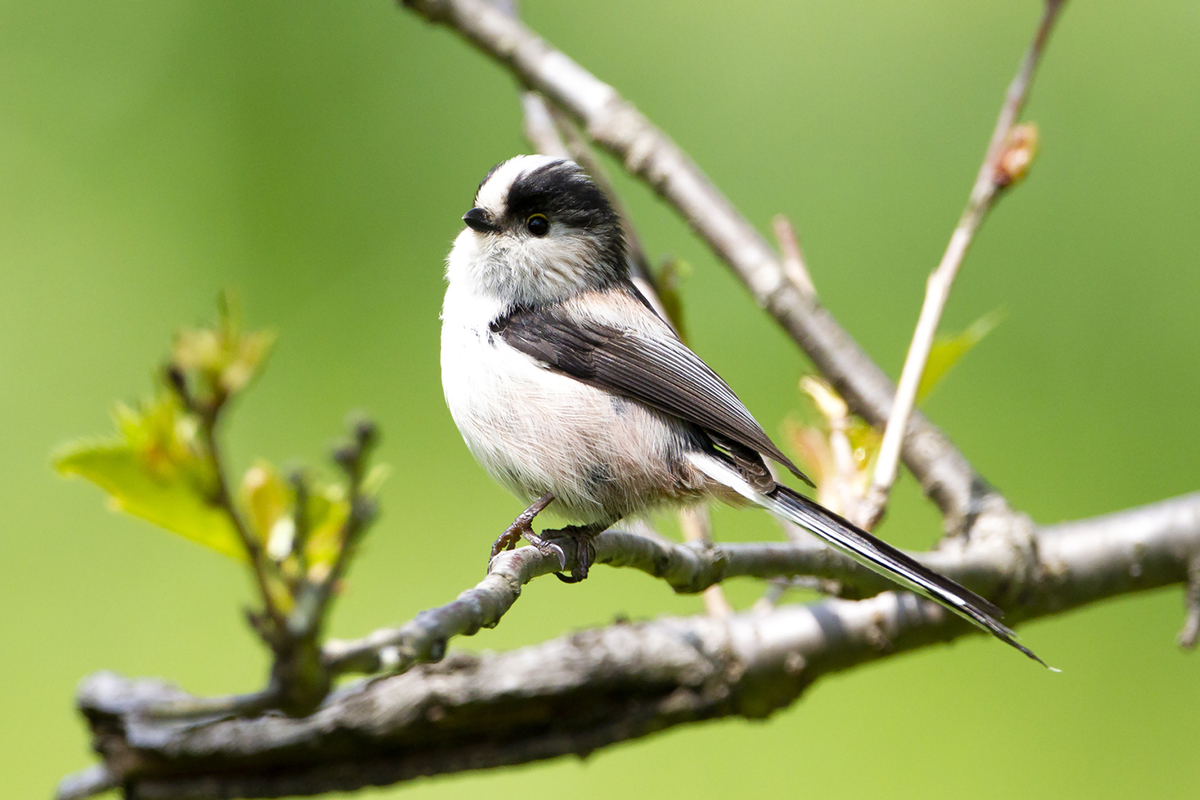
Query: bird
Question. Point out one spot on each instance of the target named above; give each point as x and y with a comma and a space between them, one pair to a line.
573, 393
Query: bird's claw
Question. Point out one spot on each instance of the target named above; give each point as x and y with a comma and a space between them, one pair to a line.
548, 549
585, 552
522, 529
511, 536
580, 536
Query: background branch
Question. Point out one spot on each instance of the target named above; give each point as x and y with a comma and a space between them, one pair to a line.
1008, 157
590, 689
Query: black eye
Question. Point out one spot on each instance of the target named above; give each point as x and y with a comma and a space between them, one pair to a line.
537, 224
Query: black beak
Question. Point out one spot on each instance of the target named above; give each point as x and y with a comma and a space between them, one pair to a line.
477, 220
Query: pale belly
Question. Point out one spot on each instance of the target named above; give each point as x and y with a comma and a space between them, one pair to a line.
536, 431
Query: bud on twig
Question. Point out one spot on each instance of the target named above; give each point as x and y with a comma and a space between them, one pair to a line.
1016, 157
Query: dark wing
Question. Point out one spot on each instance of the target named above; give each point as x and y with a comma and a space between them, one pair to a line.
660, 372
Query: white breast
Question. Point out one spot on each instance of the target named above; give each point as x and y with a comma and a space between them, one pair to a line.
535, 431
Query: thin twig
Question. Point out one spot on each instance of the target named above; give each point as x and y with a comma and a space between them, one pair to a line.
208, 415
311, 605
582, 154
793, 257
539, 126
696, 524
1004, 162
551, 134
224, 499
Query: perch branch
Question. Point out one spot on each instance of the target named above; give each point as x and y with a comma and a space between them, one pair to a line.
687, 568
647, 153
590, 689
1008, 156
696, 525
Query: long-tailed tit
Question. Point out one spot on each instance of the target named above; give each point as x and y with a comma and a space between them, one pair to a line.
570, 390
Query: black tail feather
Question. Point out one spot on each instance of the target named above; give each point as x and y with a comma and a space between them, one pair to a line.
894, 564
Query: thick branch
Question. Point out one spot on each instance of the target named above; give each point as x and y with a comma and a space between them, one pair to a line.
646, 152
580, 692
979, 563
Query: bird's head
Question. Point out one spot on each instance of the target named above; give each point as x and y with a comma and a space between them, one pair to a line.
539, 231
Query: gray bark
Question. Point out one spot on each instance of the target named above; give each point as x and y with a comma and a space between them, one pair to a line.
584, 691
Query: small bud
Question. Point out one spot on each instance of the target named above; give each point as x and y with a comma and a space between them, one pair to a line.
346, 456
281, 539
1016, 156
176, 380
365, 433
297, 478
827, 400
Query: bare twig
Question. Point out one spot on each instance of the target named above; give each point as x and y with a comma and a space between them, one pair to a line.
696, 524
593, 688
1008, 156
646, 152
793, 258
208, 414
552, 134
539, 126
313, 601
582, 155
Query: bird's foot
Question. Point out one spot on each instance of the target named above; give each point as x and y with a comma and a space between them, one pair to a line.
585, 551
522, 527
548, 549
516, 532
512, 534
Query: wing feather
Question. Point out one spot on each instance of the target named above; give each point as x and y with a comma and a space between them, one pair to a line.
659, 371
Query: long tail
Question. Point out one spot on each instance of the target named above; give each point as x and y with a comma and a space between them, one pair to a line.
869, 551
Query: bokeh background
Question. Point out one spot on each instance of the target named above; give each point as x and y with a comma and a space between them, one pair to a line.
317, 156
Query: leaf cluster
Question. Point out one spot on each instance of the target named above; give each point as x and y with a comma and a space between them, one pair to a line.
296, 534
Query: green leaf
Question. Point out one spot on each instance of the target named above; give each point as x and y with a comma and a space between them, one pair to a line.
224, 357
672, 273
948, 350
158, 469
327, 512
373, 482
171, 501
268, 502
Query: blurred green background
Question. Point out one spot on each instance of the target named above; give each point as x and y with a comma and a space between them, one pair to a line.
317, 156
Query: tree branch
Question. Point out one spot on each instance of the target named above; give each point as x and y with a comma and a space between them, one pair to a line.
590, 689
688, 568
646, 152
1009, 153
